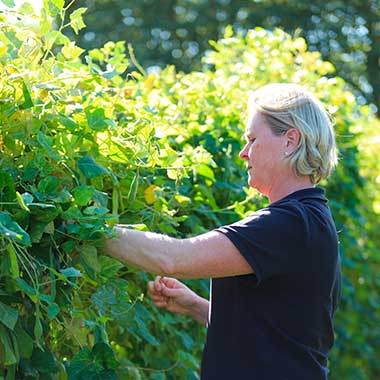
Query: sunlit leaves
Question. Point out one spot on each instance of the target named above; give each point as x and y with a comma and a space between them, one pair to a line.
76, 19
83, 194
96, 118
71, 51
55, 37
46, 22
84, 147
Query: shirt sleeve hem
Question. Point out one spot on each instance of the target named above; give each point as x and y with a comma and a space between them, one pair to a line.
249, 258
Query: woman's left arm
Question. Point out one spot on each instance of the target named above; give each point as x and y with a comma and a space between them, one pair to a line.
208, 255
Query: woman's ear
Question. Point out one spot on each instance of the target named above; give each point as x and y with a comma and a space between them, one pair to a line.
293, 138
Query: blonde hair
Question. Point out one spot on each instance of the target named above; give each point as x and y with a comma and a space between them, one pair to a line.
286, 106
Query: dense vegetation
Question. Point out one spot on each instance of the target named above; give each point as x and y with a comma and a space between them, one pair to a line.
346, 32
84, 145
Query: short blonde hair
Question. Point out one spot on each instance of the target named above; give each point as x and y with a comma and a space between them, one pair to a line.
286, 106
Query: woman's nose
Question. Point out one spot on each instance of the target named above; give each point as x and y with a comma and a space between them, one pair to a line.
243, 153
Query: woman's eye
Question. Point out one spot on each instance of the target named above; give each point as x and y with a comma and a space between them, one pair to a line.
252, 140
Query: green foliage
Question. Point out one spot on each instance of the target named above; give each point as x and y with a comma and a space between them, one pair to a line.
177, 32
82, 148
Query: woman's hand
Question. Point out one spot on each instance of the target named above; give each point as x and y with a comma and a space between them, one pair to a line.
173, 295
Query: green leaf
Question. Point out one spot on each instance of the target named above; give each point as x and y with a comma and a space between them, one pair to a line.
26, 9
112, 298
100, 199
53, 310
98, 364
68, 122
25, 342
37, 230
205, 171
48, 185
26, 288
8, 316
62, 196
45, 23
11, 230
28, 103
27, 198
46, 144
7, 353
49, 228
55, 38
96, 118
44, 361
76, 19
71, 51
103, 354
69, 246
83, 194
50, 8
90, 168
79, 363
143, 331
89, 260
109, 266
93, 210
71, 272
9, 3
58, 3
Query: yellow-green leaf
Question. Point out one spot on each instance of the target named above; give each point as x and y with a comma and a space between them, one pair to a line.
76, 20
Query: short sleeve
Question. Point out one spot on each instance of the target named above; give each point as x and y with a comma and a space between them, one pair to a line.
273, 240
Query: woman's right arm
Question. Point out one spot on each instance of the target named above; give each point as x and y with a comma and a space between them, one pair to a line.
176, 297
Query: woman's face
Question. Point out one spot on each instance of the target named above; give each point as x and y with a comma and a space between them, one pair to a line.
264, 153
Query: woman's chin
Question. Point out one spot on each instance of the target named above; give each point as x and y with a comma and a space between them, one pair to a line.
251, 182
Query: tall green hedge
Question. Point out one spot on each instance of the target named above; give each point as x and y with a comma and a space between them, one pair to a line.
85, 144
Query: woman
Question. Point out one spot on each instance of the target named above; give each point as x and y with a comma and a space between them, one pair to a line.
275, 274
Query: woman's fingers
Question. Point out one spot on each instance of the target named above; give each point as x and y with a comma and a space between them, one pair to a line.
157, 284
170, 282
151, 289
161, 304
156, 296
159, 299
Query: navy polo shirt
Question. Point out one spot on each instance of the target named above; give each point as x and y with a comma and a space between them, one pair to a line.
276, 324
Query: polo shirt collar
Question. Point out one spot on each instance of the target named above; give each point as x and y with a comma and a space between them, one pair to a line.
310, 193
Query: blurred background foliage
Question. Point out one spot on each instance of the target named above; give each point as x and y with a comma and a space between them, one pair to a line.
347, 33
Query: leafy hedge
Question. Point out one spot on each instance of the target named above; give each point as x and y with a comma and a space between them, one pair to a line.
84, 145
